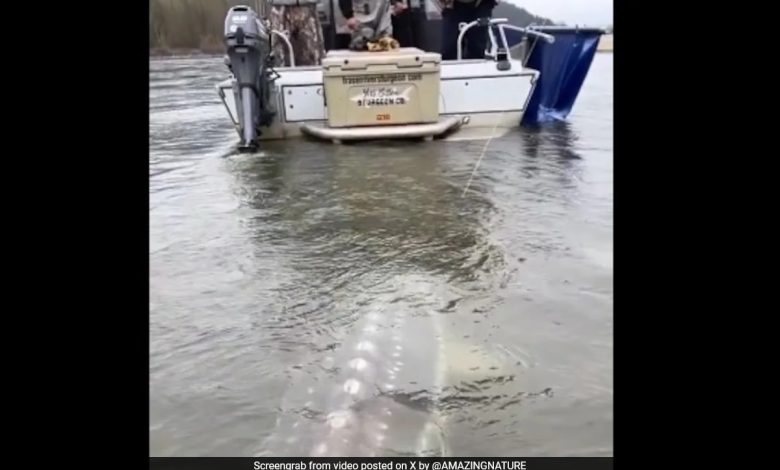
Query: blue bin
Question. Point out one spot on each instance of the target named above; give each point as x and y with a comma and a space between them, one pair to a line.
563, 66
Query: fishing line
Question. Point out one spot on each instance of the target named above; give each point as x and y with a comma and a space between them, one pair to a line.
484, 149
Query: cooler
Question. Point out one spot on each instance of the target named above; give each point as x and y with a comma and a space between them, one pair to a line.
381, 88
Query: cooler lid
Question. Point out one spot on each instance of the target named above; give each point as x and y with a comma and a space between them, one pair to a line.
346, 59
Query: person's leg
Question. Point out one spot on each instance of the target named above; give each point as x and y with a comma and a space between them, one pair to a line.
417, 28
277, 19
476, 41
402, 28
309, 45
477, 36
449, 34
385, 26
470, 47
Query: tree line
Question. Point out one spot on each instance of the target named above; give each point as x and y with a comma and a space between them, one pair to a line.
198, 24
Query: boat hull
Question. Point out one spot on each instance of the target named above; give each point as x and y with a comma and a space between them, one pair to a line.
489, 101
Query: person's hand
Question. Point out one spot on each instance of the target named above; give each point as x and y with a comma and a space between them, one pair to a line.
353, 23
398, 7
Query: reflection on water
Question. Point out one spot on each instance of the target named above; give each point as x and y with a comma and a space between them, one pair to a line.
554, 140
262, 266
401, 211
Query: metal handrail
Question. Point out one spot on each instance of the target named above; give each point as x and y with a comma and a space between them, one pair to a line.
463, 28
466, 26
493, 42
503, 35
289, 45
547, 37
501, 23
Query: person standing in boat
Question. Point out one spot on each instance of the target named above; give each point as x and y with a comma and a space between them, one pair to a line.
359, 13
300, 21
409, 23
343, 33
454, 12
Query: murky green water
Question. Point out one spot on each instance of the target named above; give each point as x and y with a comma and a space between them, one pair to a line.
263, 266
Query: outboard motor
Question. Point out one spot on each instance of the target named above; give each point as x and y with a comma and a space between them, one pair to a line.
249, 58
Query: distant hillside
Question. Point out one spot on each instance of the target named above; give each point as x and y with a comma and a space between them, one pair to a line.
197, 24
519, 16
188, 24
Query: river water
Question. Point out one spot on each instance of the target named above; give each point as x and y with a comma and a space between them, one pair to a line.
262, 265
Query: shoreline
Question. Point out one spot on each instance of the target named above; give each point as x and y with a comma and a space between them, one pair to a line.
184, 52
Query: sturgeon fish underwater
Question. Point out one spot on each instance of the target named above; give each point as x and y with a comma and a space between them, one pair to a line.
375, 395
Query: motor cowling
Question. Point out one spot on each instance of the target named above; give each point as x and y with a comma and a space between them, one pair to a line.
248, 48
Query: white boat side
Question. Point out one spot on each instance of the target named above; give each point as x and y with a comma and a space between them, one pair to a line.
490, 101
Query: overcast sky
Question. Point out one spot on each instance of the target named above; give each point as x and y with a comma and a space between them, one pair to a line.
571, 12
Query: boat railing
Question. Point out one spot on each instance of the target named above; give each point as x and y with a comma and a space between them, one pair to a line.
291, 53
500, 24
262, 7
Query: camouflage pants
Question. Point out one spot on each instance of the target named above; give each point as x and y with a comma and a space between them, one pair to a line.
302, 26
